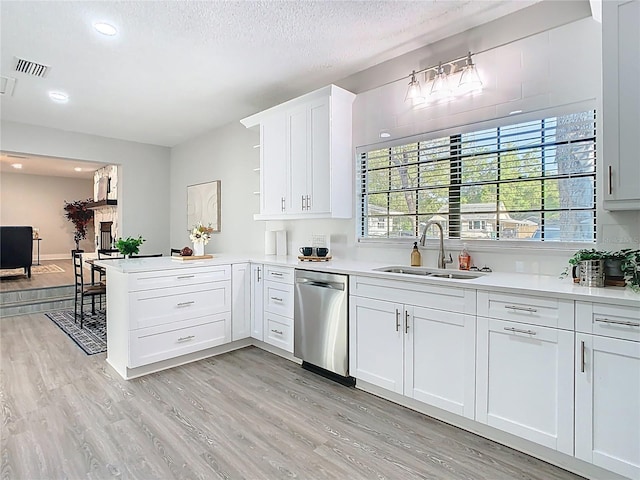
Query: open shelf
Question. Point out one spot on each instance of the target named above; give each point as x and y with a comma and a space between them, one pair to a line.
102, 204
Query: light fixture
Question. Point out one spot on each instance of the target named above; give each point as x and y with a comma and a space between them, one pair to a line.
440, 87
105, 28
414, 91
59, 97
515, 112
384, 134
77, 169
17, 165
469, 79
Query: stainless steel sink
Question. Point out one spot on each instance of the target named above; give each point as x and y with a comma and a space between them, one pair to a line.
430, 272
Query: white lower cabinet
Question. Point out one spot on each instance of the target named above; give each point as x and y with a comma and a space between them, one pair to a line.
608, 387
422, 353
241, 301
257, 301
278, 307
524, 381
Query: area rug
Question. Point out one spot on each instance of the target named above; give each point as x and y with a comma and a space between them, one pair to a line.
35, 269
92, 337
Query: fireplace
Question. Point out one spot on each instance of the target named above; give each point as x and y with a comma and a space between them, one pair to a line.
106, 239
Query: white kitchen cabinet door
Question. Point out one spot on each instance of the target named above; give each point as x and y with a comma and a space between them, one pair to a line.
273, 165
621, 104
257, 301
297, 154
241, 301
318, 173
440, 359
608, 403
524, 381
376, 355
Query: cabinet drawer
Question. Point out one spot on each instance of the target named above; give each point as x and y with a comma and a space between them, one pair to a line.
278, 331
278, 298
153, 344
278, 274
149, 308
178, 277
544, 311
440, 297
608, 320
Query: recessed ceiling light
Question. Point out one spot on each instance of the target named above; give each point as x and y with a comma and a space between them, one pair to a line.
385, 134
77, 169
515, 112
105, 28
16, 165
59, 97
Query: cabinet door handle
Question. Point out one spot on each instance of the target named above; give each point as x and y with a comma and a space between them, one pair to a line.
276, 299
617, 322
278, 332
582, 357
397, 320
282, 203
186, 339
610, 180
406, 322
518, 330
302, 202
183, 277
308, 202
522, 309
186, 304
258, 274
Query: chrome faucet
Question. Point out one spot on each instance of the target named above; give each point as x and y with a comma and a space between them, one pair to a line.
442, 262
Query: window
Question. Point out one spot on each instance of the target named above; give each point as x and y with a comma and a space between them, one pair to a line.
531, 181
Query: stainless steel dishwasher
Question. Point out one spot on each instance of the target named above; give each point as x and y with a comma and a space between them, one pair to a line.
320, 333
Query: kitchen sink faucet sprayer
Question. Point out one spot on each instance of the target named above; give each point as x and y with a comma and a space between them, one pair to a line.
442, 262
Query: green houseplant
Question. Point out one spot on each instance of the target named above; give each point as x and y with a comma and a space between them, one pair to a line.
129, 245
630, 266
78, 214
628, 259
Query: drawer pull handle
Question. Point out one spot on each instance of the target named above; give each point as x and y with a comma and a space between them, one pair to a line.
617, 322
186, 304
397, 320
276, 299
517, 330
186, 339
182, 277
279, 332
276, 274
523, 309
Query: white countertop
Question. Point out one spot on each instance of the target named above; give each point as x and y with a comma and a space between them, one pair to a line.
505, 282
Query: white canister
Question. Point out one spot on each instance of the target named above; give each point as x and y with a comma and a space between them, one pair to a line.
281, 242
269, 243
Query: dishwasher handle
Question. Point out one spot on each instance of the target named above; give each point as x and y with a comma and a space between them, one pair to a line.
316, 283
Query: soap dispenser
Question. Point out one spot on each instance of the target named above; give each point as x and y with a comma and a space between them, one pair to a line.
416, 258
464, 259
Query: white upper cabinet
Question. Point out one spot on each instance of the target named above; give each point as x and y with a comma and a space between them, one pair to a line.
621, 104
306, 156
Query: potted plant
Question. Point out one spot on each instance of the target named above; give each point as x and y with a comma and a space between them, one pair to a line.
129, 246
630, 266
78, 213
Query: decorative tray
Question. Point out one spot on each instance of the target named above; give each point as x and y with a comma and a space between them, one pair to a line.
313, 258
191, 257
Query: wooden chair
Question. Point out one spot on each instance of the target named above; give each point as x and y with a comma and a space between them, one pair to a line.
106, 253
175, 251
147, 256
83, 291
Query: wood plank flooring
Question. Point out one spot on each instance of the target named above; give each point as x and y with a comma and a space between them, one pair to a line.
43, 280
245, 414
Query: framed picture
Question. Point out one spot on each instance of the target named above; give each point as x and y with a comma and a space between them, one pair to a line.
203, 205
103, 188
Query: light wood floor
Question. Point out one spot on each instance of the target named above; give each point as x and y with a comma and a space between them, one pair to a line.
42, 280
246, 414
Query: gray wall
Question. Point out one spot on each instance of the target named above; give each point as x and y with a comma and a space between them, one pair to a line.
143, 203
38, 201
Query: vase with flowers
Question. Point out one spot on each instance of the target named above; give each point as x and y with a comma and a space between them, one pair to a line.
200, 236
81, 216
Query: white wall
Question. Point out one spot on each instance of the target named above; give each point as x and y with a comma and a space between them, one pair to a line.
226, 154
543, 62
143, 192
38, 201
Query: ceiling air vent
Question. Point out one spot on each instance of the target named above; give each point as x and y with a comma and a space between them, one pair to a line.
31, 68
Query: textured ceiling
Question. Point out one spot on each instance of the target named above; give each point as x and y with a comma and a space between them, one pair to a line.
178, 69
